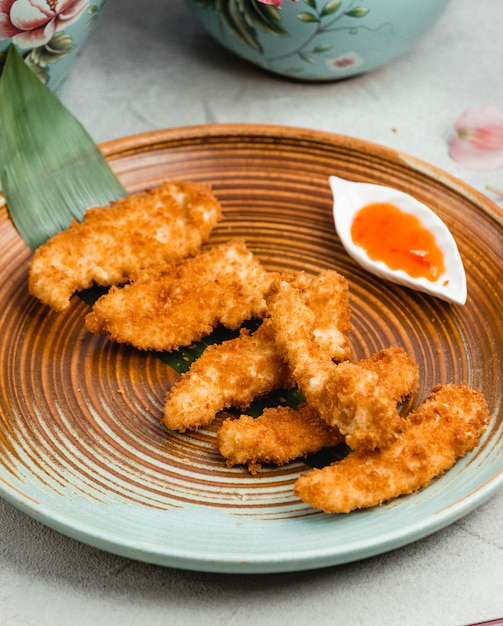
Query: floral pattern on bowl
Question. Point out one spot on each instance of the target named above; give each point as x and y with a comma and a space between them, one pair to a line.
48, 34
318, 39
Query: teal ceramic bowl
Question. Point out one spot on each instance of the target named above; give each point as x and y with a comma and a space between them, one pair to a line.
318, 39
49, 35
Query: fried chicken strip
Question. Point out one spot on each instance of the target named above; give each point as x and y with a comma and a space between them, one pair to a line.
237, 371
165, 224
345, 395
169, 306
282, 434
446, 427
229, 374
278, 436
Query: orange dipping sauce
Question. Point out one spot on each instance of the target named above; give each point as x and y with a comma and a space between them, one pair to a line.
397, 239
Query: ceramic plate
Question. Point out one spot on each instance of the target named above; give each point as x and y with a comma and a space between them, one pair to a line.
82, 449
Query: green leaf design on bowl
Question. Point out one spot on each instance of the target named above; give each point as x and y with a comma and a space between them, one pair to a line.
245, 18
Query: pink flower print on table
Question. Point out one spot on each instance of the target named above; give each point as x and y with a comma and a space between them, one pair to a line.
478, 144
31, 23
495, 190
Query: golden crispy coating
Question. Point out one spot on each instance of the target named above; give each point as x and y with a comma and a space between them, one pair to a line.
345, 394
281, 435
237, 371
278, 436
327, 296
446, 427
165, 224
169, 306
397, 373
229, 374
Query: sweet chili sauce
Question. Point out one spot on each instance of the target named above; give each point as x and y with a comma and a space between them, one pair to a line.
398, 239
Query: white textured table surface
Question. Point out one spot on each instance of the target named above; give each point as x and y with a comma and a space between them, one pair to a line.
149, 66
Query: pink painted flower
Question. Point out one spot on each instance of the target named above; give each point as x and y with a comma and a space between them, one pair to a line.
348, 59
276, 3
478, 144
31, 23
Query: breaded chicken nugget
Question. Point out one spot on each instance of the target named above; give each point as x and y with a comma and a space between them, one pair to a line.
278, 436
165, 224
169, 306
229, 374
282, 434
345, 395
446, 427
237, 371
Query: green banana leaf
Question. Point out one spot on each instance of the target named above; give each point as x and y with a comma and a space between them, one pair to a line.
50, 169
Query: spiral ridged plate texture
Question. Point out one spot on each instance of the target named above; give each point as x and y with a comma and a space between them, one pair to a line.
81, 444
